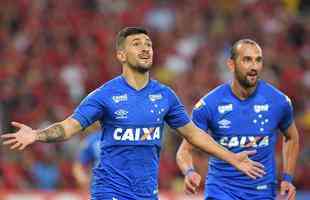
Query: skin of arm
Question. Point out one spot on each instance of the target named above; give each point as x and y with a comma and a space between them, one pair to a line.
185, 162
55, 133
184, 156
96, 126
59, 131
290, 150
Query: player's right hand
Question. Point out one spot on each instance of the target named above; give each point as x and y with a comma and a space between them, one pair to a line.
192, 182
20, 139
251, 168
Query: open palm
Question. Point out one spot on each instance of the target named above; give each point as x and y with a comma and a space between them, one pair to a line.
20, 139
249, 167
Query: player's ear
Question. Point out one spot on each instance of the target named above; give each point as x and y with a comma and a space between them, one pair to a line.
121, 56
231, 65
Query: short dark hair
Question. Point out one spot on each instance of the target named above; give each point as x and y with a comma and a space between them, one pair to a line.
127, 31
233, 50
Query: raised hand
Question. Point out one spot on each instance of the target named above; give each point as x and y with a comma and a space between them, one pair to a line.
250, 168
20, 139
192, 182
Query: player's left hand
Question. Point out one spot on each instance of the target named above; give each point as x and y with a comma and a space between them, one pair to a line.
288, 189
192, 182
249, 167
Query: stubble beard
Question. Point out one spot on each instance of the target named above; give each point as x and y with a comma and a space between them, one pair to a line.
243, 81
140, 69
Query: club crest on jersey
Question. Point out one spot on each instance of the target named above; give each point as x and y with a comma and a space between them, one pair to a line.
136, 134
261, 108
120, 98
225, 108
121, 114
224, 123
155, 97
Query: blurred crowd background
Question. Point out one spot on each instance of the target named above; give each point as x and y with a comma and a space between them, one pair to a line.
54, 52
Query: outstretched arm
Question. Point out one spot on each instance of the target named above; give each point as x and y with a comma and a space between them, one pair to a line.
290, 155
55, 133
205, 142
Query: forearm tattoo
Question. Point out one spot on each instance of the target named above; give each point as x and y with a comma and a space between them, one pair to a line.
54, 133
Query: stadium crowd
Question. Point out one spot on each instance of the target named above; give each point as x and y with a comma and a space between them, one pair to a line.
52, 53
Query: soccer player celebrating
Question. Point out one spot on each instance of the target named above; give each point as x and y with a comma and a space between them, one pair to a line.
245, 114
132, 109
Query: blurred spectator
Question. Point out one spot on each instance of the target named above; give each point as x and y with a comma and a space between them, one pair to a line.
87, 158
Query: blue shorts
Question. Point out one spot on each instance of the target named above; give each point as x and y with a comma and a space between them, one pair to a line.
217, 192
116, 197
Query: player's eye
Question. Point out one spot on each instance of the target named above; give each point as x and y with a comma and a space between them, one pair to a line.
135, 44
247, 59
259, 60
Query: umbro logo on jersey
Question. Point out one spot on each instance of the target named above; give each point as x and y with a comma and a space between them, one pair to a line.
155, 97
261, 108
225, 108
224, 123
120, 98
121, 114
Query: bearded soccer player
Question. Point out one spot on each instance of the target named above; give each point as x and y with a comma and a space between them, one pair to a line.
132, 109
245, 114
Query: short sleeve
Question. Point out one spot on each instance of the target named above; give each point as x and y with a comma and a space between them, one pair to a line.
176, 116
287, 116
201, 115
90, 109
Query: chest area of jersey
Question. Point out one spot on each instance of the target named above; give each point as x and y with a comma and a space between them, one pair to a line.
146, 108
252, 125
252, 120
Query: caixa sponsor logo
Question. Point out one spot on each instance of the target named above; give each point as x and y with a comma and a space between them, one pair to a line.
245, 141
136, 134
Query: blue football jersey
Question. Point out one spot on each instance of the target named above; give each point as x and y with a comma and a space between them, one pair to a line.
90, 150
132, 122
238, 125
